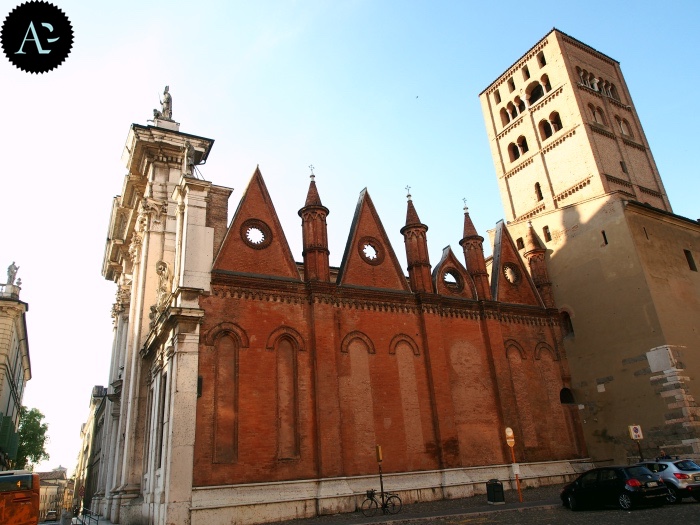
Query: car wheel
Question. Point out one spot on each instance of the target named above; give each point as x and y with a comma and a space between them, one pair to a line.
673, 495
625, 501
573, 504
696, 497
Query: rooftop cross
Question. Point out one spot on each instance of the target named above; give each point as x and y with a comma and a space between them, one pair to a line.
408, 192
311, 167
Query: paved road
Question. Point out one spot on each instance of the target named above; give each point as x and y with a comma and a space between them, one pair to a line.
540, 506
687, 512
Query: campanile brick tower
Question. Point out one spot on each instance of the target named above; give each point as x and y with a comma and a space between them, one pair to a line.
563, 128
586, 207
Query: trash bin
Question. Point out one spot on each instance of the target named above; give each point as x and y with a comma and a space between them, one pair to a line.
494, 492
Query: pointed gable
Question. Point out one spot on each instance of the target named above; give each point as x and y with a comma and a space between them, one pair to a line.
255, 242
451, 278
510, 280
369, 259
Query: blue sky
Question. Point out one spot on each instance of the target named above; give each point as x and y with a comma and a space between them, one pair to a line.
378, 94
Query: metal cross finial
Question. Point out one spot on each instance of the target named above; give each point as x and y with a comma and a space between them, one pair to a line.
408, 192
465, 205
311, 167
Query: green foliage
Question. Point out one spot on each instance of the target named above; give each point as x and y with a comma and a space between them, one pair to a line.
32, 439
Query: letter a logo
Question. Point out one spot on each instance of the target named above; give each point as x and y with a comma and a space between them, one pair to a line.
37, 37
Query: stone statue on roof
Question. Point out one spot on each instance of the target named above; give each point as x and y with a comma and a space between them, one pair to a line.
166, 106
12, 273
188, 159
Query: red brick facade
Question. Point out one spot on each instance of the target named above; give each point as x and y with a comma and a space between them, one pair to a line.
305, 369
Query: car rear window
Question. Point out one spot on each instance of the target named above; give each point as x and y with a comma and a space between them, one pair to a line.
686, 464
638, 472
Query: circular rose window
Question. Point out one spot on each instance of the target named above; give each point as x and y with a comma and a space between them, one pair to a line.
370, 250
256, 234
452, 280
511, 273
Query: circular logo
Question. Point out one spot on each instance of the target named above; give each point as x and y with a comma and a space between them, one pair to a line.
36, 37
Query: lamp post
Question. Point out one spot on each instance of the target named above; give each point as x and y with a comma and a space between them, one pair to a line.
510, 439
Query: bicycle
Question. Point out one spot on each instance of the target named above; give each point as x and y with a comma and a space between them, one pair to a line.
390, 503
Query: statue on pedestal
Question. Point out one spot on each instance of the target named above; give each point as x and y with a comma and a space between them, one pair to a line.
12, 273
166, 104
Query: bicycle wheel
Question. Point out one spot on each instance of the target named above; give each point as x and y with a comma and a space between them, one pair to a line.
369, 507
393, 504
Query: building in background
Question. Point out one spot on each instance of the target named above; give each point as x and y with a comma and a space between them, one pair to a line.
246, 386
15, 368
87, 470
574, 165
52, 493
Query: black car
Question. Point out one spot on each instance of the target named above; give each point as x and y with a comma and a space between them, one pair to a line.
624, 486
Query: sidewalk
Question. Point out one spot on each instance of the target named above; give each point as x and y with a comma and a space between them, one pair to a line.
426, 512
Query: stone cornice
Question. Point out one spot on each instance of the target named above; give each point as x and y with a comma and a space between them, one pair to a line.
388, 301
573, 189
633, 144
549, 147
519, 167
547, 98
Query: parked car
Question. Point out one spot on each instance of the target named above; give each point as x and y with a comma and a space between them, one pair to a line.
682, 477
51, 515
624, 486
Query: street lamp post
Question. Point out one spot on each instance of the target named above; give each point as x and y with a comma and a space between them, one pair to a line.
510, 439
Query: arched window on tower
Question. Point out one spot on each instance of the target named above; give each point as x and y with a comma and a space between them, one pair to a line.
538, 192
511, 109
591, 108
534, 92
566, 397
555, 119
541, 59
545, 129
567, 326
522, 144
505, 117
513, 152
613, 92
625, 127
600, 116
520, 104
622, 126
545, 82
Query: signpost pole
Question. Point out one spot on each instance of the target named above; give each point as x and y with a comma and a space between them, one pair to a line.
510, 439
381, 478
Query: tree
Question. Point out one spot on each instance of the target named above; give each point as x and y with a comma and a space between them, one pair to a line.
32, 439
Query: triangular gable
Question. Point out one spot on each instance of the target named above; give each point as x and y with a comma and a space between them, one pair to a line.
510, 280
369, 259
255, 242
459, 283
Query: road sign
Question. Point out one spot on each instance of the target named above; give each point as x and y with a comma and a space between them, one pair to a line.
636, 432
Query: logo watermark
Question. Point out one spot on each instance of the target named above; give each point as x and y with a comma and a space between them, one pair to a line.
36, 37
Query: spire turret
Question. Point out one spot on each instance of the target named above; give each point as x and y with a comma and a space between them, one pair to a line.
534, 253
315, 235
416, 241
473, 246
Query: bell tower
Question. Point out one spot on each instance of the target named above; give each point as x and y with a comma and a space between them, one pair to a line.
563, 129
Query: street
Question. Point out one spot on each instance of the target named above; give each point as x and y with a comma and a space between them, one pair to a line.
686, 512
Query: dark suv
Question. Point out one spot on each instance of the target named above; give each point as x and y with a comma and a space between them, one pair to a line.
624, 486
682, 477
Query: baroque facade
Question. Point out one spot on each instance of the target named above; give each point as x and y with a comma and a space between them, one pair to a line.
247, 387
574, 165
15, 367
